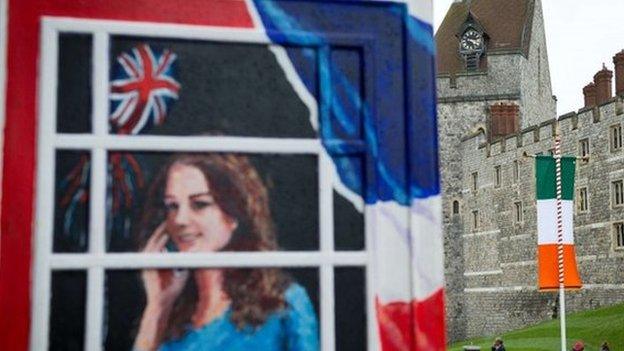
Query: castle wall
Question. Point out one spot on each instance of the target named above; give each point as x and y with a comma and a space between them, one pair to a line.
500, 272
454, 121
501, 78
490, 270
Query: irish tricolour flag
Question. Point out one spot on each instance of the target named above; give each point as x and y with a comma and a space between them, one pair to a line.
547, 219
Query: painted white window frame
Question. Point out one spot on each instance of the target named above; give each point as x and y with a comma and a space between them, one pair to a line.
96, 260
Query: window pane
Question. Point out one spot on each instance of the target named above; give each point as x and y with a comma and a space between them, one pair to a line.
208, 88
74, 83
248, 304
619, 234
257, 202
348, 220
474, 181
67, 310
497, 175
618, 192
350, 292
348, 225
71, 210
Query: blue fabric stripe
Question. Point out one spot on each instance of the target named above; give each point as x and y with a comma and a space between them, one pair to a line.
386, 126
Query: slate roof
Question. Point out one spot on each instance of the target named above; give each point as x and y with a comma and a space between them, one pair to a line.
506, 22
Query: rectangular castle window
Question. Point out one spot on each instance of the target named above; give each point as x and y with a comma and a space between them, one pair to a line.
618, 231
583, 203
617, 191
497, 176
516, 171
519, 212
584, 147
615, 133
475, 219
475, 179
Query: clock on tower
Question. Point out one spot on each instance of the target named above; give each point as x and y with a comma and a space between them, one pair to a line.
471, 47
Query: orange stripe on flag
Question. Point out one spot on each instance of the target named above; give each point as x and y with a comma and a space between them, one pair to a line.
548, 267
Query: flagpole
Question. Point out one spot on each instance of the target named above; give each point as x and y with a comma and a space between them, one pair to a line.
562, 312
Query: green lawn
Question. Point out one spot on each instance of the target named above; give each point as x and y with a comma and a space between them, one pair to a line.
593, 327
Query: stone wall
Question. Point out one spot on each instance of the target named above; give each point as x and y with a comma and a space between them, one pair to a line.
499, 270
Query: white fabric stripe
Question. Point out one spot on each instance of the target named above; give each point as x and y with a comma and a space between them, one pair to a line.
427, 246
391, 255
547, 221
399, 230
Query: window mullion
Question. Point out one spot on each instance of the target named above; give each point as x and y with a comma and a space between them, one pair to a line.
97, 203
326, 235
45, 190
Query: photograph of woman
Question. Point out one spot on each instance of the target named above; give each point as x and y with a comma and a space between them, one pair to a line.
210, 203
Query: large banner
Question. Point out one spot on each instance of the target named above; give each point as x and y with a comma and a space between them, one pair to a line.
229, 175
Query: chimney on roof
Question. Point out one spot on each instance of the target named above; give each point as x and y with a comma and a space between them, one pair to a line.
589, 91
618, 60
602, 80
504, 119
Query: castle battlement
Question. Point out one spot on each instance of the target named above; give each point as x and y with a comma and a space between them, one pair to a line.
601, 116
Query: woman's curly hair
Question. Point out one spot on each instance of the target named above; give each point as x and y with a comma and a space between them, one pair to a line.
238, 190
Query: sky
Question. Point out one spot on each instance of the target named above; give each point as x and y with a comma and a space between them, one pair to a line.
581, 35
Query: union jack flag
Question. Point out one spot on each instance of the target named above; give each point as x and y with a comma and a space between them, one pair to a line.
142, 89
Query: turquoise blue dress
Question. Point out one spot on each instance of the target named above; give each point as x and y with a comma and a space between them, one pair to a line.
294, 328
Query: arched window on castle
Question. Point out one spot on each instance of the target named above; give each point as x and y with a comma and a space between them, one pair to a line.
455, 207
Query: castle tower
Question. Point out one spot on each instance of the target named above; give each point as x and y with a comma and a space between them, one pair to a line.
493, 81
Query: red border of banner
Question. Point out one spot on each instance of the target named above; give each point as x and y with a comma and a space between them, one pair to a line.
18, 179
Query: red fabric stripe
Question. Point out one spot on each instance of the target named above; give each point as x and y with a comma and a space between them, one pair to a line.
416, 325
19, 136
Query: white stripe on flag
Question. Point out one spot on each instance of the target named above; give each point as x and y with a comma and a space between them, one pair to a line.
547, 221
427, 246
393, 239
391, 251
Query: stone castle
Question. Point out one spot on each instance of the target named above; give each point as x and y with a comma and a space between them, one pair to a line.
494, 104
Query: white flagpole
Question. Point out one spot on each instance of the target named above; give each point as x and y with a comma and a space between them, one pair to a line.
562, 312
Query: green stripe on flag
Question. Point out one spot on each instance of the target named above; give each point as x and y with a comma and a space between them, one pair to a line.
546, 186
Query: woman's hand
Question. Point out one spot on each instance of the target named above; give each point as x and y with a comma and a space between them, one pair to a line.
162, 287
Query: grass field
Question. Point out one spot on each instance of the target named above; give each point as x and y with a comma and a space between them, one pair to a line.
593, 327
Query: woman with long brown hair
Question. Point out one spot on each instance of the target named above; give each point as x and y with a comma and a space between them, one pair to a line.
208, 203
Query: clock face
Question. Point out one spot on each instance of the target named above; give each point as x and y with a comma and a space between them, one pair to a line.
471, 41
